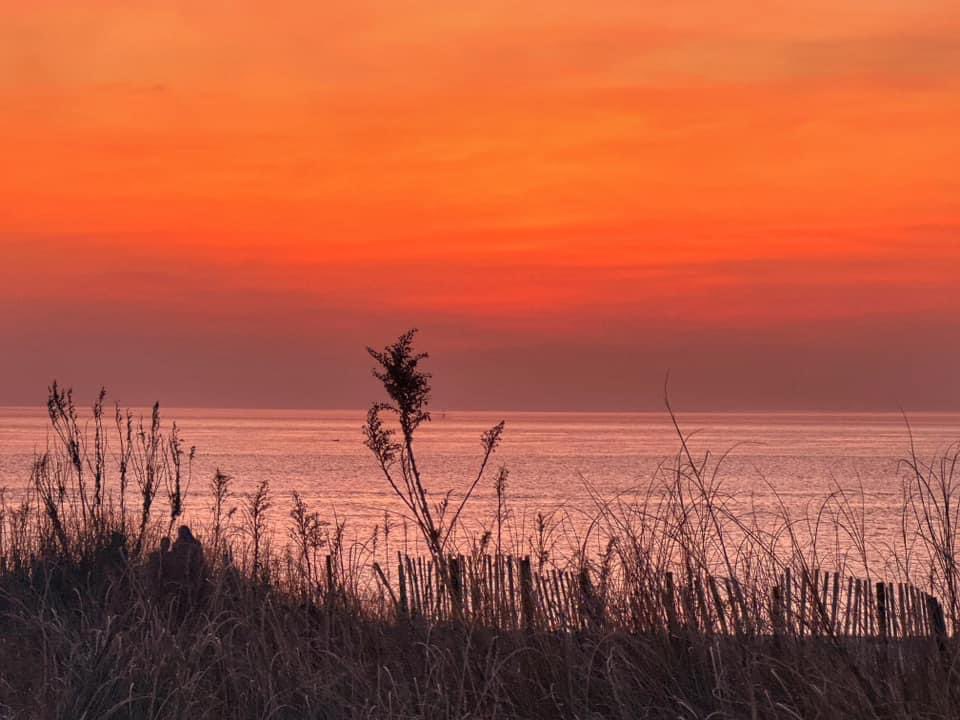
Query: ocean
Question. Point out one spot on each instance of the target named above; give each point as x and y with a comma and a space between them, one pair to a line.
563, 465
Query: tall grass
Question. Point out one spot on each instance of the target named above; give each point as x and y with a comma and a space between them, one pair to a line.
672, 602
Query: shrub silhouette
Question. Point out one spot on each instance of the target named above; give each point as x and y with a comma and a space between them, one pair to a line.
408, 387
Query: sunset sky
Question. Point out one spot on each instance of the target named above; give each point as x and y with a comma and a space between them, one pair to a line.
220, 204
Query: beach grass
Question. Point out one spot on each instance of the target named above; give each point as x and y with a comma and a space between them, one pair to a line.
674, 603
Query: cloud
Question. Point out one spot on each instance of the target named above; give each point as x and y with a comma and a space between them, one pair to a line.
219, 329
896, 60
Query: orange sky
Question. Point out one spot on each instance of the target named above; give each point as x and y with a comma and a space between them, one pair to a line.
568, 197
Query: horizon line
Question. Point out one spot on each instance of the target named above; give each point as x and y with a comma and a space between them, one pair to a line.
532, 411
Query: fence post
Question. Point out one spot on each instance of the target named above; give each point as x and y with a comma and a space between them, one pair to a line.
476, 580
331, 583
512, 591
788, 599
802, 606
456, 587
834, 630
414, 599
402, 580
526, 593
776, 610
882, 610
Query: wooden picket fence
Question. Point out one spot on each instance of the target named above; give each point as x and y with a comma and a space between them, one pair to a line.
506, 592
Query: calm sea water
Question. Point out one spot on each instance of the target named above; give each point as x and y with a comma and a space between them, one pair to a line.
553, 458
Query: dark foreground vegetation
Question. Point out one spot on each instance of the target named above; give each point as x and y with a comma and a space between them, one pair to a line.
671, 605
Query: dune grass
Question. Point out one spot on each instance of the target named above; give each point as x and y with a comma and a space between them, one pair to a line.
672, 604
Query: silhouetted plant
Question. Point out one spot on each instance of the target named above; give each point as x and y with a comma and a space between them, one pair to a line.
146, 460
220, 491
52, 492
98, 462
173, 475
308, 537
124, 425
258, 503
931, 510
408, 387
501, 488
63, 419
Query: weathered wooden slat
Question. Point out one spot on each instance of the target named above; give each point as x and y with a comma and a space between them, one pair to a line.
892, 610
402, 581
848, 608
881, 590
857, 608
545, 602
835, 603
527, 606
826, 624
788, 599
776, 610
510, 588
802, 607
416, 606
